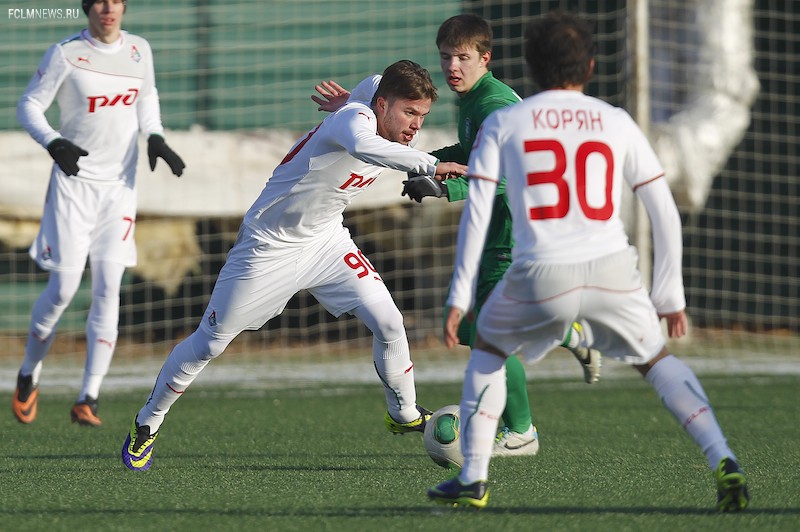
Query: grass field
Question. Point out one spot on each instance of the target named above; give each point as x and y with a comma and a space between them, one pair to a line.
319, 458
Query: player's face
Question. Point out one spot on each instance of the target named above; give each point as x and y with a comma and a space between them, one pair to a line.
462, 67
105, 19
400, 119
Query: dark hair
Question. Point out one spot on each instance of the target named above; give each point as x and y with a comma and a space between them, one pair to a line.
408, 80
558, 50
86, 4
465, 30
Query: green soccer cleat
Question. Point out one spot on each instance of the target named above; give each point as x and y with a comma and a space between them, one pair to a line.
591, 360
732, 494
137, 452
418, 425
453, 493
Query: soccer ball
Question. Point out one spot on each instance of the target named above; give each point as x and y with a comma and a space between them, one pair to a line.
443, 437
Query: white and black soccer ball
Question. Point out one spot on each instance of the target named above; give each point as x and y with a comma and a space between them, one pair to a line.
443, 437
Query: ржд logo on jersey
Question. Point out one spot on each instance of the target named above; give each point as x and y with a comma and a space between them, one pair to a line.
358, 181
126, 98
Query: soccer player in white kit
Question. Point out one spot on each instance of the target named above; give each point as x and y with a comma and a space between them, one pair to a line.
565, 157
103, 81
293, 238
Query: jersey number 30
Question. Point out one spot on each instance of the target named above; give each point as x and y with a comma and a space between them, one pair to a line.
556, 177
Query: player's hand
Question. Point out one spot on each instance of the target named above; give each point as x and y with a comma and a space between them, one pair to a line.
451, 323
418, 186
677, 324
157, 147
66, 155
448, 170
333, 95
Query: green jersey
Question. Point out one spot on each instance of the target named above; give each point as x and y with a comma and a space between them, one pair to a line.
485, 97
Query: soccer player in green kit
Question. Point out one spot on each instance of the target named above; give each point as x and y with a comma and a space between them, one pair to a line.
465, 48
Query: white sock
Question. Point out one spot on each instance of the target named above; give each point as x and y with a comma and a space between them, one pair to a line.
101, 339
572, 340
483, 398
180, 369
36, 349
47, 311
683, 395
396, 370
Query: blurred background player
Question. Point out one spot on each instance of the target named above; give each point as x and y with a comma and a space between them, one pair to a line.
572, 259
103, 81
293, 238
465, 48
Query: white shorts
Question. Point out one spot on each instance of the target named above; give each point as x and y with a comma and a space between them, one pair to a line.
83, 219
259, 279
534, 305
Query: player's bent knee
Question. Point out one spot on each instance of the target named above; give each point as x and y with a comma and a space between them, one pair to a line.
385, 321
62, 287
206, 346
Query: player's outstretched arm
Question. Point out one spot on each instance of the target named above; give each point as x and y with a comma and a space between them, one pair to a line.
448, 170
333, 95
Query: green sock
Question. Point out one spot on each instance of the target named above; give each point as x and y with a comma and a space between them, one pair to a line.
517, 415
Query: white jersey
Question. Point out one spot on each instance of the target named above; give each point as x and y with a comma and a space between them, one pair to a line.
565, 156
308, 192
106, 94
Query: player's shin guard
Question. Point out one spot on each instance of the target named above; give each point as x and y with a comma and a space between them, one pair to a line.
683, 395
483, 398
396, 371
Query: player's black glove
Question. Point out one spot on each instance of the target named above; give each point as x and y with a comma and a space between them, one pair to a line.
66, 154
157, 147
418, 186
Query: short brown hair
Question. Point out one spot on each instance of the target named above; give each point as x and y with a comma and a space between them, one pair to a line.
465, 30
408, 80
559, 49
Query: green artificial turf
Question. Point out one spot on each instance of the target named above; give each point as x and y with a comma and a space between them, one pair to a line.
319, 458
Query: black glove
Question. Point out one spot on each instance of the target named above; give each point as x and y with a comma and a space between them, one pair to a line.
418, 186
66, 155
157, 147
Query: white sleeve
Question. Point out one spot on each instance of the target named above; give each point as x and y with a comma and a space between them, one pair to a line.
365, 90
359, 137
667, 293
148, 108
39, 95
471, 237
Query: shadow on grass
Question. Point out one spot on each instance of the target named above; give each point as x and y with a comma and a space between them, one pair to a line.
390, 511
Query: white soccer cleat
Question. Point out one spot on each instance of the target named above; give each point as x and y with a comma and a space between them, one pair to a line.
508, 443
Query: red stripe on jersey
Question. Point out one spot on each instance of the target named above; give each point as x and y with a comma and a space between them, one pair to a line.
299, 146
659, 176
